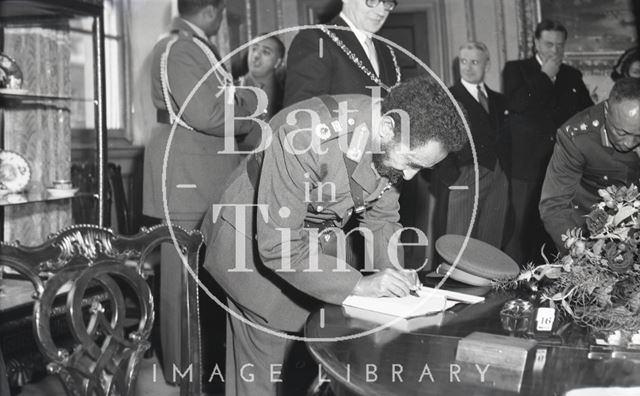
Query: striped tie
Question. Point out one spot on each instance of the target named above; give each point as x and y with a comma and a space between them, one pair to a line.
482, 98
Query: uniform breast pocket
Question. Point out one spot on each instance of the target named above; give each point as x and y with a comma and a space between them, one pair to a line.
603, 177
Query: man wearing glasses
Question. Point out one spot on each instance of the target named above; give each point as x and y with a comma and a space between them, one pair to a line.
598, 147
338, 61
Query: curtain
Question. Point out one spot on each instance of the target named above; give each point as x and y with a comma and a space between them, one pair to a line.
40, 132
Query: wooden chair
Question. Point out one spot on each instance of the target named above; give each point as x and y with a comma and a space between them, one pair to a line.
88, 278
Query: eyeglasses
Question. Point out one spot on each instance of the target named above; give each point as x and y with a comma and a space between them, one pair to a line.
389, 5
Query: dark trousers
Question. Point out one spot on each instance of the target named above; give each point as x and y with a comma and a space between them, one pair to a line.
525, 234
493, 195
262, 363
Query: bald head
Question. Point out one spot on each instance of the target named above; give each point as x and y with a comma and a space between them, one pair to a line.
622, 111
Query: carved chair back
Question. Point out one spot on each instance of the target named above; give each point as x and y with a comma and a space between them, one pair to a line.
91, 276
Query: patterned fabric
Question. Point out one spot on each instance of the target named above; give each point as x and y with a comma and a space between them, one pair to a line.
42, 134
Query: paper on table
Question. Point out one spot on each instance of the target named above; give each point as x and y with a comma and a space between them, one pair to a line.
452, 295
405, 307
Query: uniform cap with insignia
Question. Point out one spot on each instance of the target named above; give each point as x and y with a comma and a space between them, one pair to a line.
480, 263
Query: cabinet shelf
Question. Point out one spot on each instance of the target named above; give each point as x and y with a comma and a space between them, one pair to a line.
32, 98
17, 11
37, 196
57, 15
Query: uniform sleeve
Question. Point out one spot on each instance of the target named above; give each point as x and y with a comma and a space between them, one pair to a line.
525, 92
558, 191
282, 190
186, 65
383, 219
307, 72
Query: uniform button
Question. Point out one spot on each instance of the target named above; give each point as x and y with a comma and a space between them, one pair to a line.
575, 207
605, 177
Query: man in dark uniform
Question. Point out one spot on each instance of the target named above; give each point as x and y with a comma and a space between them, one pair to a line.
595, 149
542, 93
331, 158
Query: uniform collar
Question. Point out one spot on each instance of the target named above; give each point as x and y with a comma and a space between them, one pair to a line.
196, 30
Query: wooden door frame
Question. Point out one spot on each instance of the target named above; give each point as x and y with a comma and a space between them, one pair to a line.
435, 13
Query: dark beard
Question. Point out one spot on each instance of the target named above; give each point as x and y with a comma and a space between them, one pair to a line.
393, 175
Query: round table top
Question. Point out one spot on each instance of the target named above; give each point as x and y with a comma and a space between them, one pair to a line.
419, 356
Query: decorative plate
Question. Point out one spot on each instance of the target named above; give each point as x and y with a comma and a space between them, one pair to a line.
15, 172
10, 73
61, 192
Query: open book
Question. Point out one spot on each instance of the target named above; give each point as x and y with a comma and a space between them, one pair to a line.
405, 307
430, 301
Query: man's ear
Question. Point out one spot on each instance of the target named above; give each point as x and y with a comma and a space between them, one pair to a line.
210, 11
388, 128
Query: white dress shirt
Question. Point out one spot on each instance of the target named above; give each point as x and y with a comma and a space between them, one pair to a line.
473, 89
362, 37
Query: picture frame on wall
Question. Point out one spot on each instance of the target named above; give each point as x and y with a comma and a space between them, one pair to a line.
599, 31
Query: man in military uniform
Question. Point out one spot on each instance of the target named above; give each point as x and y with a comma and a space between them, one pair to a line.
321, 169
195, 167
595, 149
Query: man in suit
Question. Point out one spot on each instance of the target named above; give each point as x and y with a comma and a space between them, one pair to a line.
342, 61
264, 58
195, 167
595, 149
485, 110
542, 93
278, 260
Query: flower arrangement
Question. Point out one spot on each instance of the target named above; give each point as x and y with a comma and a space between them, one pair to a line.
598, 282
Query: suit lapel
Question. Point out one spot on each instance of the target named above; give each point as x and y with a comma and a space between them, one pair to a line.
387, 71
467, 98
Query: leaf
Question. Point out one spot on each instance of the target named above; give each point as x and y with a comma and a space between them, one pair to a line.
566, 307
553, 273
549, 270
622, 214
557, 297
597, 247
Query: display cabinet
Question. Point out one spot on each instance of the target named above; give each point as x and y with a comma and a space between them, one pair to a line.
51, 106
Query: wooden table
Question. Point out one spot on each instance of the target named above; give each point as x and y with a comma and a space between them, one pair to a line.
422, 361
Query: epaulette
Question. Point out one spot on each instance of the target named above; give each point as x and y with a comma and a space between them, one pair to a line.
583, 125
357, 136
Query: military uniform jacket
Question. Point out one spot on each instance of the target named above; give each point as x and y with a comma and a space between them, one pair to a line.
537, 107
583, 162
194, 156
333, 73
278, 289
